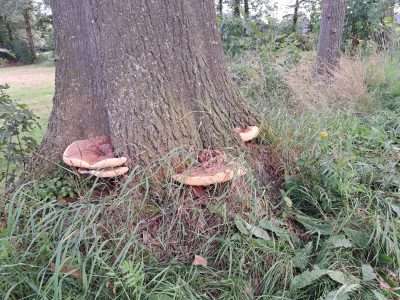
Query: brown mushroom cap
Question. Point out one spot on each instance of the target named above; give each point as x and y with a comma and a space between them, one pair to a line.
247, 134
105, 173
95, 153
205, 176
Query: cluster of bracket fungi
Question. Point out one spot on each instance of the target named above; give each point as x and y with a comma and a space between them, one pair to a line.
95, 157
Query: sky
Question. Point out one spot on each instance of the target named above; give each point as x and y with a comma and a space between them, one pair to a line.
283, 8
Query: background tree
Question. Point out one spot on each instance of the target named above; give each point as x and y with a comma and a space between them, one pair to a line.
296, 8
369, 19
6, 34
310, 6
246, 8
27, 13
220, 7
236, 8
330, 38
18, 27
108, 82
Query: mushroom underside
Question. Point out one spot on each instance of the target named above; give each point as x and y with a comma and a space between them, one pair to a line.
248, 133
205, 176
95, 156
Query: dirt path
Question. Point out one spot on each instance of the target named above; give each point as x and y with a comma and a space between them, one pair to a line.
27, 76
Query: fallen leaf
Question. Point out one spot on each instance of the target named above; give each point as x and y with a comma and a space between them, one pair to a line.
199, 261
74, 272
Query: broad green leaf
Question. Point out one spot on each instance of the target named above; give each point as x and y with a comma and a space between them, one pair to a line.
339, 241
302, 256
248, 229
279, 231
360, 239
368, 273
307, 278
343, 293
314, 225
241, 225
343, 278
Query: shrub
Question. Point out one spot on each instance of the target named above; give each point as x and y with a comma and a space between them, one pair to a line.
17, 123
22, 52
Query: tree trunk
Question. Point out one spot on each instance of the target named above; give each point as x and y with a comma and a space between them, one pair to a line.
78, 106
9, 30
27, 13
246, 8
236, 8
390, 8
3, 36
330, 38
220, 7
296, 15
151, 76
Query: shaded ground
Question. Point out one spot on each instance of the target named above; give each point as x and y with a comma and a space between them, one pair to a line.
32, 85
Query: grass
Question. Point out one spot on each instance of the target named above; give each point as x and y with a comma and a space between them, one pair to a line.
32, 85
331, 234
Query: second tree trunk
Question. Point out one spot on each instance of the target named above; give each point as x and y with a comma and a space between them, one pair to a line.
330, 38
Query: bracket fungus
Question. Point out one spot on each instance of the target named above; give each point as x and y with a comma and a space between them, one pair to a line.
95, 156
105, 173
213, 170
248, 133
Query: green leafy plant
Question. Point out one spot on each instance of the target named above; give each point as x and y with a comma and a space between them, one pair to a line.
17, 123
59, 187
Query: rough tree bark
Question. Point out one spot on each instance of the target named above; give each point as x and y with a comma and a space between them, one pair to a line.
27, 14
149, 74
236, 8
78, 106
330, 38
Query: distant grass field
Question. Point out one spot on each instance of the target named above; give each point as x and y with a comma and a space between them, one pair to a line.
32, 85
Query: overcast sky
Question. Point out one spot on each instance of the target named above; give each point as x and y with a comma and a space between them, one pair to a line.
283, 7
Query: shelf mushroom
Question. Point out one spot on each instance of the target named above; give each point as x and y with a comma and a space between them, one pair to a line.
210, 174
105, 173
95, 156
247, 134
